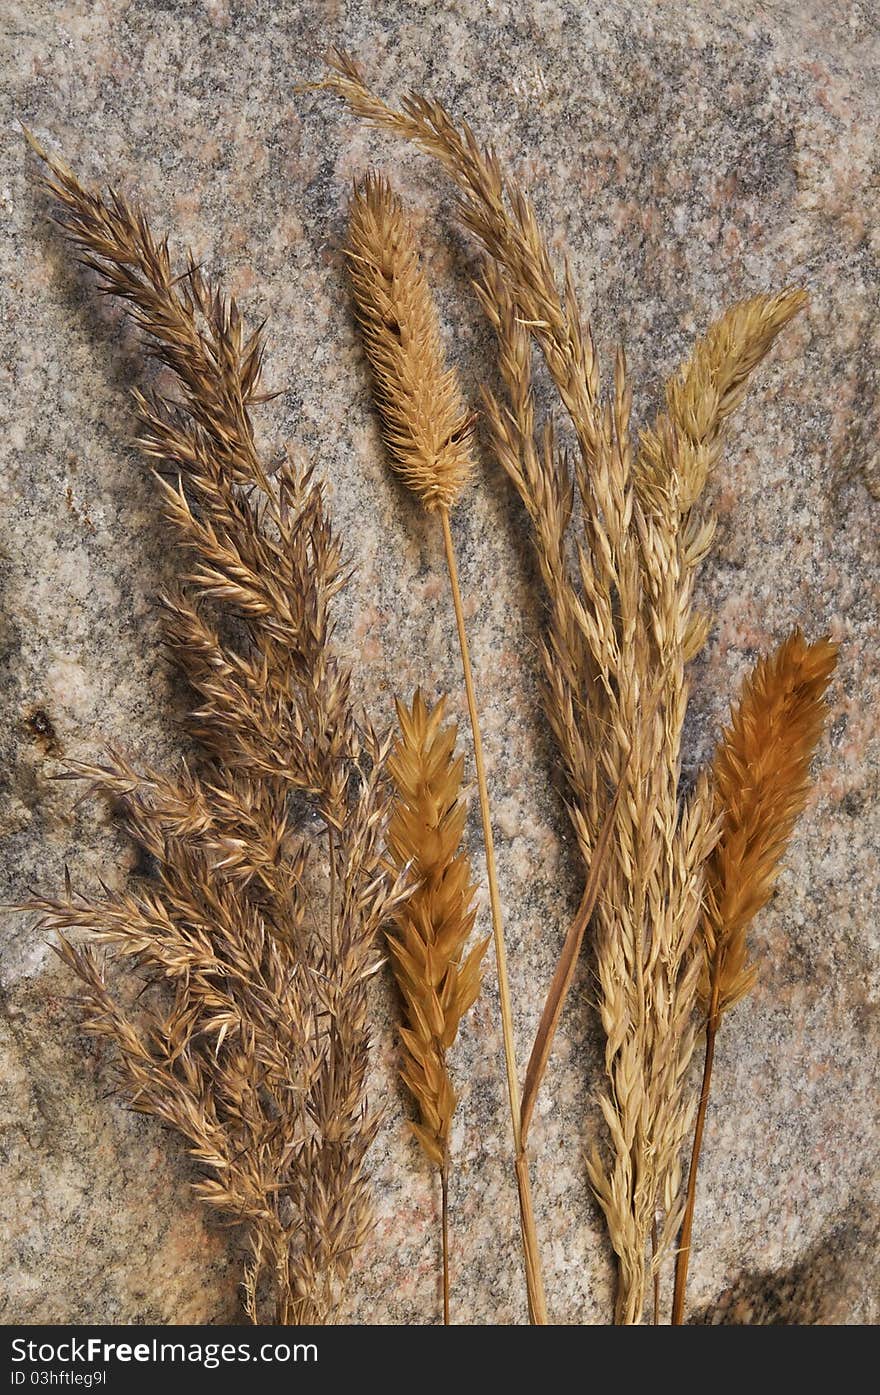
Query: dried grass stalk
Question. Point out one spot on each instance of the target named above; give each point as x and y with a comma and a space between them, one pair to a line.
621, 627
761, 782
439, 983
249, 1034
428, 437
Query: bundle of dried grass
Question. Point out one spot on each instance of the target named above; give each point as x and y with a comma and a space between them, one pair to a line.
250, 1033
428, 437
439, 983
621, 628
761, 782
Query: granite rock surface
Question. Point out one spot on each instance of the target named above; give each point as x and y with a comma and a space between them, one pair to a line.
686, 154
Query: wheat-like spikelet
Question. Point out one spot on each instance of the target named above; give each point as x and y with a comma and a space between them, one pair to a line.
621, 627
439, 983
761, 781
434, 924
705, 392
428, 438
250, 1033
424, 422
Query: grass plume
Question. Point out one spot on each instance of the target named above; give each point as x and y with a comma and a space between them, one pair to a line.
619, 535
424, 422
438, 982
249, 1034
761, 782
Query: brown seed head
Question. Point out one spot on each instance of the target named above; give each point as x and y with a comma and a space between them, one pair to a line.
250, 1033
761, 778
433, 925
424, 422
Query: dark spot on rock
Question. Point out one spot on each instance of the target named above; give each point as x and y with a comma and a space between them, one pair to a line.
852, 804
143, 867
39, 724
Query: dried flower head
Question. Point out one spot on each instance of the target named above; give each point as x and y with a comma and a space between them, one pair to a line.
705, 392
761, 782
250, 1033
438, 982
426, 427
761, 779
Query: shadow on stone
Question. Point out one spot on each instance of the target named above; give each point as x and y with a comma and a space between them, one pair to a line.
822, 1289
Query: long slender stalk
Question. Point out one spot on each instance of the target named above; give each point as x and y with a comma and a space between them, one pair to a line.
444, 1235
534, 1276
565, 971
684, 1252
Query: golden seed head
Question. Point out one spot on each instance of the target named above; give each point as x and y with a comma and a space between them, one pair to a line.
761, 776
432, 927
704, 394
424, 422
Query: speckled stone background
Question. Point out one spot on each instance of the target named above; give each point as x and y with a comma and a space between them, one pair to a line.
686, 154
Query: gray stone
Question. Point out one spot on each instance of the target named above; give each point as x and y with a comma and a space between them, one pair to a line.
686, 154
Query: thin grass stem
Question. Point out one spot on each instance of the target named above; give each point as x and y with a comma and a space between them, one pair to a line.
534, 1277
684, 1247
444, 1233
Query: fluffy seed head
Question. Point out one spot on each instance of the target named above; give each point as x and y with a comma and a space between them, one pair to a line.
424, 422
250, 1034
